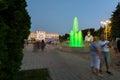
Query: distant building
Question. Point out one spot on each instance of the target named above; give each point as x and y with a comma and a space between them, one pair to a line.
32, 36
51, 37
42, 35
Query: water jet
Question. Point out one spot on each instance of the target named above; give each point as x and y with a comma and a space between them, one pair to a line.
76, 38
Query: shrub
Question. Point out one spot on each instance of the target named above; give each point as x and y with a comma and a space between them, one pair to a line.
14, 28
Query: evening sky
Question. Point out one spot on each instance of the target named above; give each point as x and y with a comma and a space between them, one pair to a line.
56, 16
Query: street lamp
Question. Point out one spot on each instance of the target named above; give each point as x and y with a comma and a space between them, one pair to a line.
105, 23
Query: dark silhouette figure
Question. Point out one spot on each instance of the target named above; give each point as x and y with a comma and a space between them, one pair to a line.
118, 45
42, 45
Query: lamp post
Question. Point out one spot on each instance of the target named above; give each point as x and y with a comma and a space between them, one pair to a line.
105, 23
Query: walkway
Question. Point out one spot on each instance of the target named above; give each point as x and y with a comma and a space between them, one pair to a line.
62, 65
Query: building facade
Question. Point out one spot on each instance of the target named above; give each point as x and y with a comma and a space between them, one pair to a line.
42, 35
32, 36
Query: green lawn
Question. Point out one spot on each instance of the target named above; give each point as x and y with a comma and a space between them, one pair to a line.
36, 74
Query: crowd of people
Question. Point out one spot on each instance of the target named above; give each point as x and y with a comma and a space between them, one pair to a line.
100, 54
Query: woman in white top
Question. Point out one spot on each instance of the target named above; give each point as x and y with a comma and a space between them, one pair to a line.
105, 45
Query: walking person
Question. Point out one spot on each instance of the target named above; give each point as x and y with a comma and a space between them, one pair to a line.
118, 45
95, 56
42, 45
34, 46
105, 51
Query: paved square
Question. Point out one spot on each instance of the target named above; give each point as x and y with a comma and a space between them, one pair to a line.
62, 65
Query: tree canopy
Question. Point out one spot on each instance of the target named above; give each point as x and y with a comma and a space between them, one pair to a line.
14, 28
115, 23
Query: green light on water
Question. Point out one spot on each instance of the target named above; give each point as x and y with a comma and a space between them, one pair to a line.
76, 39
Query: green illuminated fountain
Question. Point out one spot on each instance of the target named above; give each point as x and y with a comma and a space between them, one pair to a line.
76, 38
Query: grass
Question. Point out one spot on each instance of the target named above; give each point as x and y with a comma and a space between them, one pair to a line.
35, 74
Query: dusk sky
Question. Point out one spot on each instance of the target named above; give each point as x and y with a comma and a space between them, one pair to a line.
56, 16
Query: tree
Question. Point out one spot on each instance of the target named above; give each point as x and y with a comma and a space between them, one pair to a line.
64, 37
14, 28
115, 23
107, 31
99, 31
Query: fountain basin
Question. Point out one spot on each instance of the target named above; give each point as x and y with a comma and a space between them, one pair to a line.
68, 49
